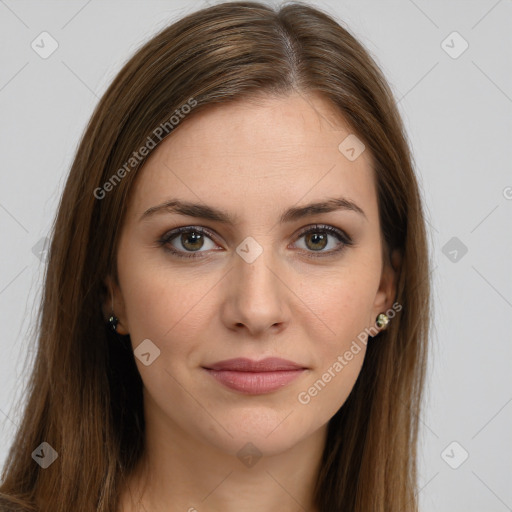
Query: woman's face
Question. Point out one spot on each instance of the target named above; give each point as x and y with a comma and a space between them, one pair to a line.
247, 282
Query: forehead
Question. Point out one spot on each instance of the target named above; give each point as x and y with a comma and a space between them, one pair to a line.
257, 154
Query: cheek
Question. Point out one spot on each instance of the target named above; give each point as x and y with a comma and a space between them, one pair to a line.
340, 304
179, 311
340, 307
163, 304
331, 308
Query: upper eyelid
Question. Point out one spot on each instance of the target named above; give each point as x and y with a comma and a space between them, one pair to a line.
168, 236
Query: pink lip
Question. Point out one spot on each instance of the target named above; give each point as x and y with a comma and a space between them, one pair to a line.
255, 377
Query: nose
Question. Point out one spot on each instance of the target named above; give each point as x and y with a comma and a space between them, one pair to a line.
255, 297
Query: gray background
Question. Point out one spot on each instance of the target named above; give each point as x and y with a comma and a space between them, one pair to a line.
458, 113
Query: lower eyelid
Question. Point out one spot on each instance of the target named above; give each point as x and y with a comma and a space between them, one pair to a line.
343, 239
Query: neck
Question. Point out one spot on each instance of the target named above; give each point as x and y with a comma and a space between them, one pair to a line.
181, 473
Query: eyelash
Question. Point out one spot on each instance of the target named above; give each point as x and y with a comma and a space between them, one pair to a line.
317, 228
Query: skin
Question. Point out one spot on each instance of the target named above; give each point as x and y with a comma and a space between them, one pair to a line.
253, 160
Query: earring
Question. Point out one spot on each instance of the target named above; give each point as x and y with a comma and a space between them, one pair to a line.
382, 321
112, 322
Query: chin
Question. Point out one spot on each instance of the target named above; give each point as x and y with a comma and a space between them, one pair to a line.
271, 434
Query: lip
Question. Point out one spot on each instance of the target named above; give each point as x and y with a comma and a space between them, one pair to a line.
255, 377
243, 364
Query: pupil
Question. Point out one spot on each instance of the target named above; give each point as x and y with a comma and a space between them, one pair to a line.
318, 239
193, 237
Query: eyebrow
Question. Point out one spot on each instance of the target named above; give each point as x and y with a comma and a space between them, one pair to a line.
292, 214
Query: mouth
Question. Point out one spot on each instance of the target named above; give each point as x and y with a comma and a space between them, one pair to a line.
255, 377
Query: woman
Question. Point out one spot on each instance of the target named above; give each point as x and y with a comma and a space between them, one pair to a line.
237, 300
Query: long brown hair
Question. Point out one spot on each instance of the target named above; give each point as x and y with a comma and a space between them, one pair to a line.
84, 397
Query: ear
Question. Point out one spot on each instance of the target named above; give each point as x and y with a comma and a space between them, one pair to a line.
113, 302
388, 285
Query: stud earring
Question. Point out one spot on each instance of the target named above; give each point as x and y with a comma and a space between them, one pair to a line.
382, 321
112, 322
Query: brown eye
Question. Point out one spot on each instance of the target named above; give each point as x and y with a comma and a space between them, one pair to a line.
192, 241
316, 241
186, 241
319, 237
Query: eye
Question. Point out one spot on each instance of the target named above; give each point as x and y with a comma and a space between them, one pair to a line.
316, 239
185, 241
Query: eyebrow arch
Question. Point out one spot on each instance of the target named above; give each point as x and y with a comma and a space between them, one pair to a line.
292, 214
